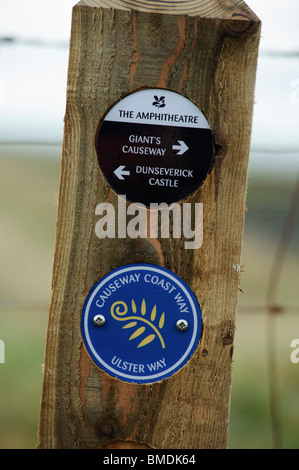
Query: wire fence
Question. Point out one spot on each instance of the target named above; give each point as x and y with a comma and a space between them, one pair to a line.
64, 44
271, 307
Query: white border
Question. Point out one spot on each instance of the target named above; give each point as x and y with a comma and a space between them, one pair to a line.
108, 367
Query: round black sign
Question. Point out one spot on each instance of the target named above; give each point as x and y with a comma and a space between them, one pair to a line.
155, 146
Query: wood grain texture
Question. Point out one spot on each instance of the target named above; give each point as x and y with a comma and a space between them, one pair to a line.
228, 9
207, 51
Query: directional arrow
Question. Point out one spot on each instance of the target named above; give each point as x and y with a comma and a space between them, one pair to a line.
182, 147
120, 172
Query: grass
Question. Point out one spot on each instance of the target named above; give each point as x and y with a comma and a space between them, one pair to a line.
250, 421
28, 189
21, 377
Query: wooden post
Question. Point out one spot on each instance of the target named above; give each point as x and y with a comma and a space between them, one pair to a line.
206, 51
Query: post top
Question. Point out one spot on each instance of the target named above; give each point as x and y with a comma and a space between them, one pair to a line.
227, 9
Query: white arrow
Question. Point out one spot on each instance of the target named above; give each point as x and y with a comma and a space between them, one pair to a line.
120, 172
182, 147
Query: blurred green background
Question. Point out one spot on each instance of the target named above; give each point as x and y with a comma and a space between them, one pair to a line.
29, 178
34, 40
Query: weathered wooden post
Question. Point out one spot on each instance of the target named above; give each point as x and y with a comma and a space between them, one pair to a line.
128, 363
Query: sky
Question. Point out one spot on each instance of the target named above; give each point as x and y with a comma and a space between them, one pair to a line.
33, 78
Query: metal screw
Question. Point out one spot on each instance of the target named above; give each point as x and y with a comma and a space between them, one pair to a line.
99, 320
182, 325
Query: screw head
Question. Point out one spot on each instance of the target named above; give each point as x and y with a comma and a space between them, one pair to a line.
99, 320
182, 325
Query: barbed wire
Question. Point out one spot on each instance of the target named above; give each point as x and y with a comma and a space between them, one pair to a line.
38, 306
64, 44
58, 143
35, 42
271, 306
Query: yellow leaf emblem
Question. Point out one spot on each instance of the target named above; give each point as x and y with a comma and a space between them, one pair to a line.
153, 325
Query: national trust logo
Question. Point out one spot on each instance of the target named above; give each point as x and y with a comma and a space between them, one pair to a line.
159, 102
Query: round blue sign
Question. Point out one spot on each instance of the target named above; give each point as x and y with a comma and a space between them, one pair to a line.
141, 323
